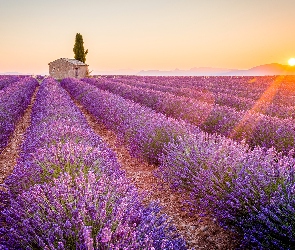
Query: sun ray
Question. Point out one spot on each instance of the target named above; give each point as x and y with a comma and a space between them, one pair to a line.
248, 123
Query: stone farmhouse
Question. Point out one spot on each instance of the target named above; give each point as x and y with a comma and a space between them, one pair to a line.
64, 67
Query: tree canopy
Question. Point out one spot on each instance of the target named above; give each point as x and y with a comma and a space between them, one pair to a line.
80, 53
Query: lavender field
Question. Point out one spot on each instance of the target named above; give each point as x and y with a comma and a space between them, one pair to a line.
226, 143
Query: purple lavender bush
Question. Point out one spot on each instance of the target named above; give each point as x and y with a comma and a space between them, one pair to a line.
7, 80
67, 190
47, 163
225, 178
236, 185
257, 129
201, 94
40, 77
145, 131
273, 226
188, 109
58, 130
86, 212
13, 102
281, 106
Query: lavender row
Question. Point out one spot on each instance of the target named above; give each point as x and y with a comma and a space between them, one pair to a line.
67, 190
14, 100
255, 128
212, 84
145, 131
200, 94
242, 86
5, 81
249, 191
57, 124
266, 105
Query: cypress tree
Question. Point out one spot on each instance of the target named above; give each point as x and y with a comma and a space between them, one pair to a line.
80, 53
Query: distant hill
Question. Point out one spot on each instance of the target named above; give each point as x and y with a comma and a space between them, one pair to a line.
262, 70
266, 69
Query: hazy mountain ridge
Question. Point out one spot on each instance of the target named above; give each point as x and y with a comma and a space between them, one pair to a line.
266, 69
262, 70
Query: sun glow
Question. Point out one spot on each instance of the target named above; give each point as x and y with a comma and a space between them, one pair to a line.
291, 61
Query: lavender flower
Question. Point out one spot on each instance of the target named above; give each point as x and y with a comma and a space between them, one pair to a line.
253, 124
14, 100
66, 214
67, 190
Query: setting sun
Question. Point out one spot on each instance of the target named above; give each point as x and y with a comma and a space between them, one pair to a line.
291, 61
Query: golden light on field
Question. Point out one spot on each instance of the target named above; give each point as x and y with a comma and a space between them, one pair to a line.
291, 61
249, 122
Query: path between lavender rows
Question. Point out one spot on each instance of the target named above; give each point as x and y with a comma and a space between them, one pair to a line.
200, 232
10, 154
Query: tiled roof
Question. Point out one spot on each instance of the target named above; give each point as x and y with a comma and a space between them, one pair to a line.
73, 61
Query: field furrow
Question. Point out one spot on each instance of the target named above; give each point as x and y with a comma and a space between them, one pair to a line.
272, 106
249, 87
68, 190
247, 190
13, 102
200, 232
108, 164
252, 126
10, 154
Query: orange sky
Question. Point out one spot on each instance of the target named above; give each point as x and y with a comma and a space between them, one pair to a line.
143, 35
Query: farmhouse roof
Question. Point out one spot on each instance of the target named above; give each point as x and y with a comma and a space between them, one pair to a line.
72, 61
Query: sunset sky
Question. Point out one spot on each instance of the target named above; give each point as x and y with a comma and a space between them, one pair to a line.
145, 35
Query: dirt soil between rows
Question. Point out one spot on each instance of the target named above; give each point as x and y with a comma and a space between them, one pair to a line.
199, 232
10, 154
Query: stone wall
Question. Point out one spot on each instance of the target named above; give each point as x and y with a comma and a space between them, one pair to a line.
60, 69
